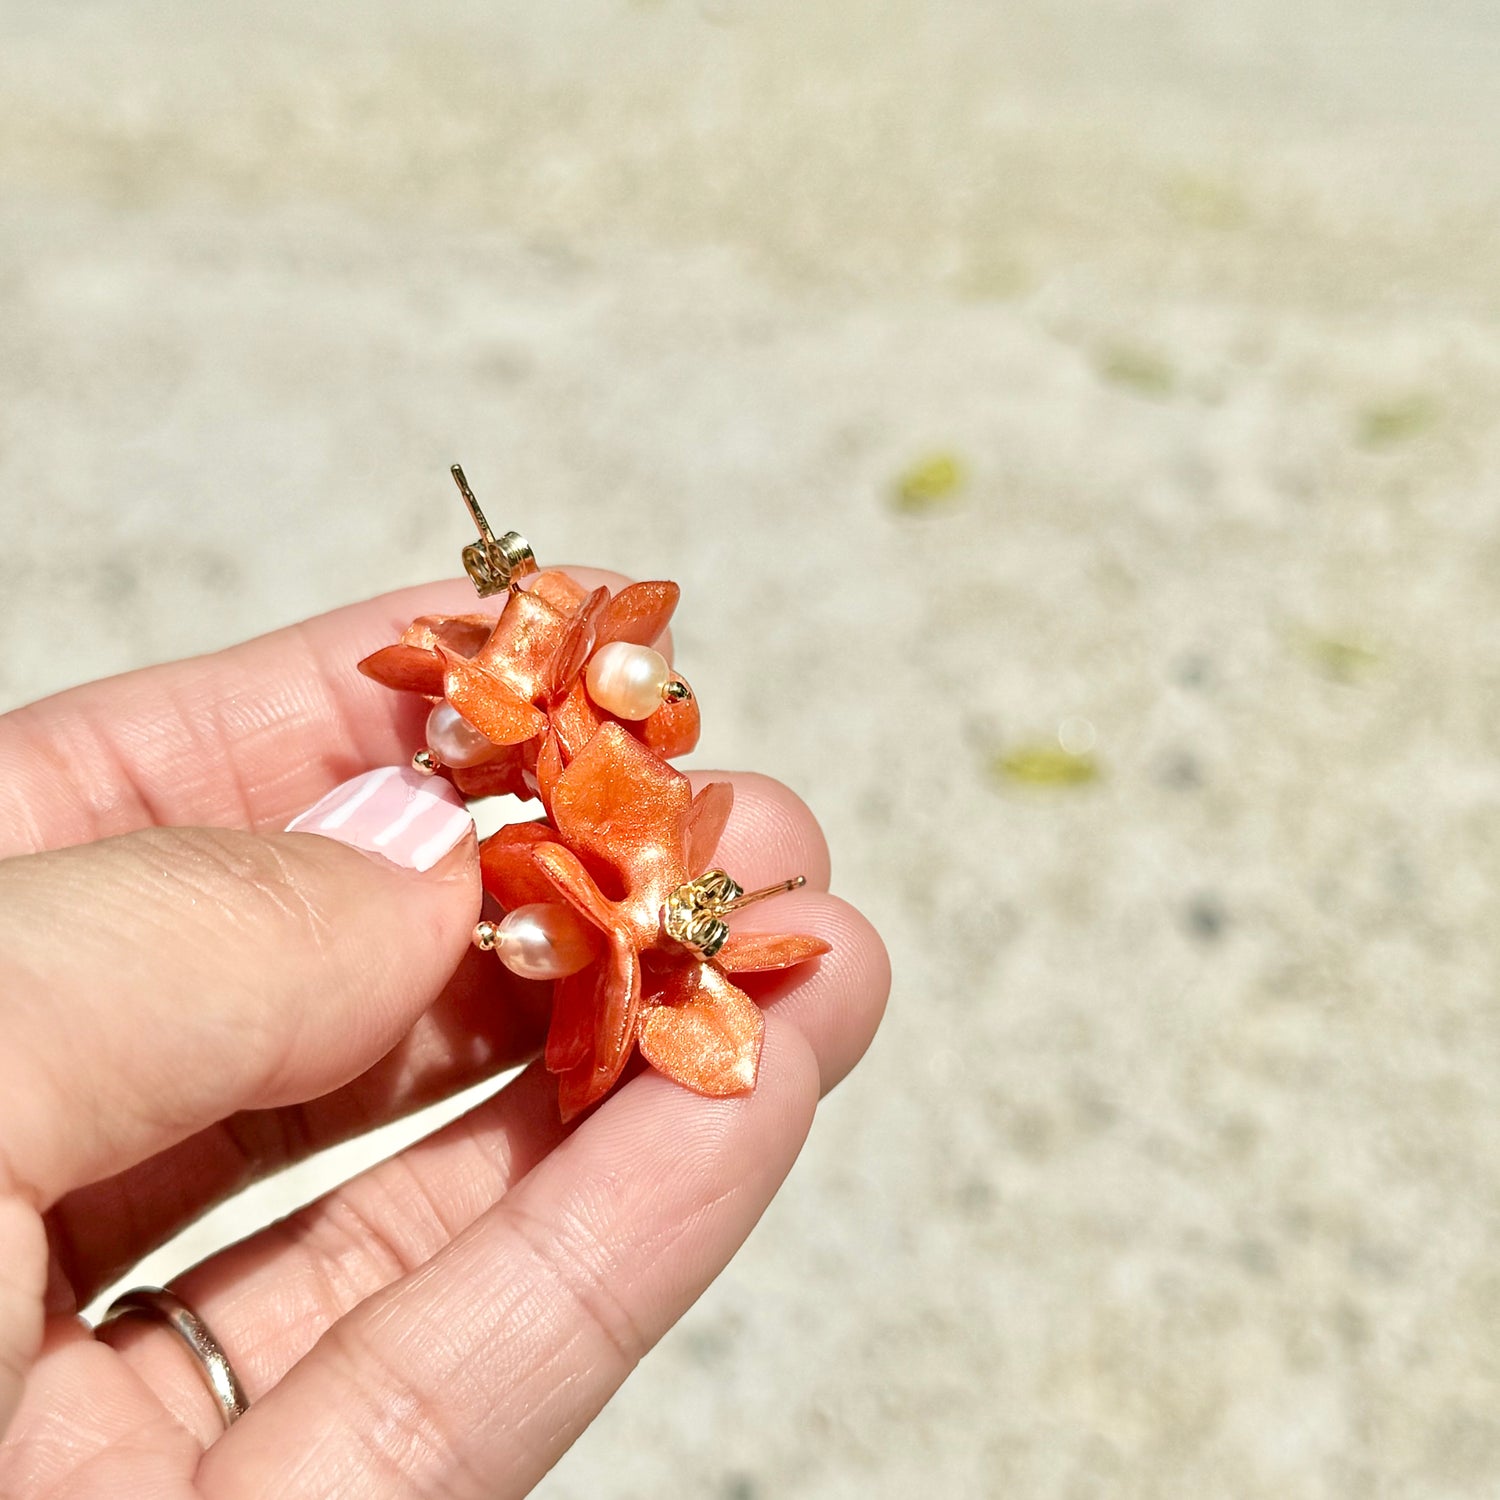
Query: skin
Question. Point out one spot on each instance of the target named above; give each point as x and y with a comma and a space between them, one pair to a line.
190, 999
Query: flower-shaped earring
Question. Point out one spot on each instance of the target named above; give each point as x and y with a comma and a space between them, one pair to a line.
515, 697
612, 897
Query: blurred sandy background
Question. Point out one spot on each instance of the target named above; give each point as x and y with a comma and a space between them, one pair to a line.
1076, 427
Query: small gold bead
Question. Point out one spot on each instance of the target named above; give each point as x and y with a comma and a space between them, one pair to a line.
486, 935
677, 691
425, 762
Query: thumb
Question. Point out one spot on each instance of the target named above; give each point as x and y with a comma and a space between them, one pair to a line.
155, 983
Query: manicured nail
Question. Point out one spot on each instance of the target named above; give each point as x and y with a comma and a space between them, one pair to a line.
409, 819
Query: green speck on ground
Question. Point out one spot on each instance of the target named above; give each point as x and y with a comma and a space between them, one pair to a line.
1338, 659
993, 275
929, 483
1137, 369
1044, 765
1205, 202
1398, 420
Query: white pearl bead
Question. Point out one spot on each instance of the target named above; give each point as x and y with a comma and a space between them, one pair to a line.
545, 941
454, 740
628, 681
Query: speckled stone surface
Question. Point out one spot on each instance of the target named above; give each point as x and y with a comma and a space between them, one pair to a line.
1176, 1170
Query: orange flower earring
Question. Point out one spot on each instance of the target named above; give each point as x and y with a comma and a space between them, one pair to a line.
515, 697
563, 697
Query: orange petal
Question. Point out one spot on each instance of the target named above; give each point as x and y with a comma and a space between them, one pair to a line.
619, 1005
673, 729
705, 1033
638, 614
573, 1096
706, 824
575, 646
409, 669
461, 634
746, 952
575, 721
549, 766
570, 1037
524, 646
508, 867
559, 589
499, 713
618, 998
575, 885
504, 776
622, 804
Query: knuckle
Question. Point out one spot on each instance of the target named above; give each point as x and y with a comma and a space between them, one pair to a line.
351, 1252
217, 865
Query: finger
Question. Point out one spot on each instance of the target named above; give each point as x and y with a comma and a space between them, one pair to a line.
837, 1002
243, 738
474, 1373
160, 981
272, 1296
486, 1020
772, 834
483, 1023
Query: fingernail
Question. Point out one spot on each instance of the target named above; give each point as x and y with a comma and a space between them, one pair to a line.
410, 819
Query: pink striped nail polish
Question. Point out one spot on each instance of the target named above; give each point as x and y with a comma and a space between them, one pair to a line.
409, 819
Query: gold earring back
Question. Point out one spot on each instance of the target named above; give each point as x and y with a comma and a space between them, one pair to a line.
495, 565
695, 914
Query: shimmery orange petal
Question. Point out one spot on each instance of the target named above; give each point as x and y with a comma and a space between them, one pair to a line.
747, 952
524, 646
622, 804
638, 614
619, 1006
573, 1096
575, 1002
461, 634
706, 823
504, 776
575, 721
497, 711
549, 766
508, 867
408, 669
673, 729
614, 1036
559, 589
574, 884
705, 1035
575, 646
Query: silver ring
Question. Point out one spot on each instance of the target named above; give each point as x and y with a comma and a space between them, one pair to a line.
164, 1307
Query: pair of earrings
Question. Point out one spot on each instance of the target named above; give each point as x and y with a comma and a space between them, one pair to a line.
612, 896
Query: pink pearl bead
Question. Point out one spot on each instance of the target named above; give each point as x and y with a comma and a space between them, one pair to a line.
628, 681
545, 941
454, 740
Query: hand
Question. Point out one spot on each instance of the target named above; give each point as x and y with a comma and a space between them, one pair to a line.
186, 1006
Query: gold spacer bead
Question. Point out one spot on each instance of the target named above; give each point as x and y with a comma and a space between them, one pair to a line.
425, 762
486, 935
677, 691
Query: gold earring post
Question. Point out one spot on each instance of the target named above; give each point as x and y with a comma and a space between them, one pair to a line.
494, 564
749, 898
480, 524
